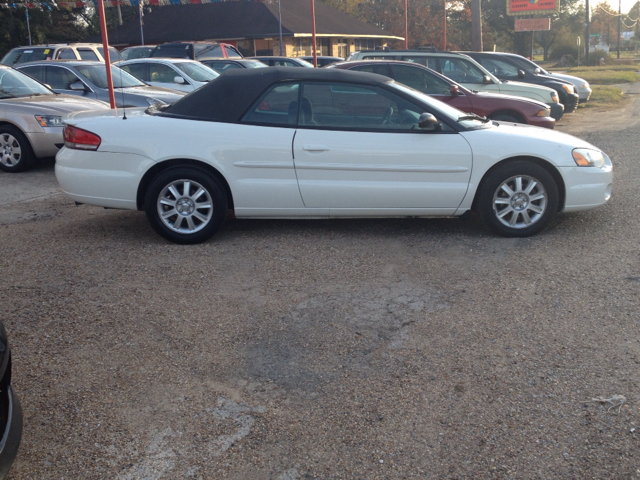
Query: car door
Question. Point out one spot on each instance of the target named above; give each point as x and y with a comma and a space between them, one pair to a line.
358, 151
263, 175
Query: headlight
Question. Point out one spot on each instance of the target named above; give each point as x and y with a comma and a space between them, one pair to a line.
568, 88
49, 121
585, 85
544, 113
585, 157
554, 97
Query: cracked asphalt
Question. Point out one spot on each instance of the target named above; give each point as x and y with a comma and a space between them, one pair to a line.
332, 349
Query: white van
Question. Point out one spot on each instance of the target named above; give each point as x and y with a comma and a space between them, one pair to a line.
468, 73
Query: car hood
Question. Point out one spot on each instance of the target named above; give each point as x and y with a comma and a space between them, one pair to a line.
517, 139
518, 87
577, 81
501, 96
161, 93
53, 104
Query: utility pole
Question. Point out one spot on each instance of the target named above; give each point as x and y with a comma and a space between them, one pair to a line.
444, 25
26, 11
619, 22
476, 26
586, 34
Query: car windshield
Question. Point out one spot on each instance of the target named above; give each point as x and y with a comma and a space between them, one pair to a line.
15, 84
448, 111
136, 52
114, 55
529, 66
97, 75
197, 71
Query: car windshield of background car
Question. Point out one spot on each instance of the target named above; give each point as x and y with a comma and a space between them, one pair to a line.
114, 55
204, 51
499, 67
97, 75
136, 52
460, 71
197, 71
420, 79
33, 55
528, 65
446, 110
254, 64
16, 84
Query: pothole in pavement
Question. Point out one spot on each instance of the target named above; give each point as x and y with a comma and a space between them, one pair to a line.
328, 335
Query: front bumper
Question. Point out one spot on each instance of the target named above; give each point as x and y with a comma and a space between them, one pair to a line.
587, 187
570, 102
545, 122
47, 143
557, 110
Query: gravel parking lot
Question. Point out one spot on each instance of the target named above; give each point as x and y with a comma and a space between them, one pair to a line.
338, 349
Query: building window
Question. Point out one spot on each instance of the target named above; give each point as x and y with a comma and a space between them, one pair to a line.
367, 43
302, 47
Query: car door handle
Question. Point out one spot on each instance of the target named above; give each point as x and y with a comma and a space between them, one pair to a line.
315, 148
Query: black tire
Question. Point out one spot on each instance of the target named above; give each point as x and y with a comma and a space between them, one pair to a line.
196, 224
16, 154
520, 213
505, 117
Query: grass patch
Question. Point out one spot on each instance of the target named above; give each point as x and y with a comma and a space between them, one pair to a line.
603, 96
607, 75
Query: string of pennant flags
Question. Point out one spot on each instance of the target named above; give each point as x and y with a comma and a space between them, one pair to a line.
107, 3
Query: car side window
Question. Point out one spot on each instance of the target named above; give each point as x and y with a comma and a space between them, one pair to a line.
87, 54
161, 73
278, 107
66, 54
138, 70
59, 78
358, 107
420, 79
36, 72
460, 71
380, 69
499, 67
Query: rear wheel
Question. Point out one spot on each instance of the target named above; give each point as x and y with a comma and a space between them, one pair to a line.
518, 199
185, 205
15, 151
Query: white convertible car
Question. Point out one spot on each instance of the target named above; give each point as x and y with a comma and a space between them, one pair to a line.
314, 143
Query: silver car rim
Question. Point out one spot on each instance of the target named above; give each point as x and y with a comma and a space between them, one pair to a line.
10, 151
185, 206
520, 201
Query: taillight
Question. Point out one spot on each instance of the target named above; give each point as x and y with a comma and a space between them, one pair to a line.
79, 139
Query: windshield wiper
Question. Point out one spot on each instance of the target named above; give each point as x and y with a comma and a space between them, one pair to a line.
473, 116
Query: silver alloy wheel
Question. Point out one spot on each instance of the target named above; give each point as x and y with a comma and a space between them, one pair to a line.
185, 206
10, 150
520, 201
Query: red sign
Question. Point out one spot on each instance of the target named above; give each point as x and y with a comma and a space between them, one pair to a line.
532, 24
531, 7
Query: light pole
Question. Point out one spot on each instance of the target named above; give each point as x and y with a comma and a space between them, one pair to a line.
280, 26
26, 11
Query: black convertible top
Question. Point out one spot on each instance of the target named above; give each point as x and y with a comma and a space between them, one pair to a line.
229, 96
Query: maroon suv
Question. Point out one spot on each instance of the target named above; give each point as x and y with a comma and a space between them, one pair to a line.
495, 106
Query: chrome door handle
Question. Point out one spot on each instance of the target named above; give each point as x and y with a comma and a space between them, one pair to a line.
315, 148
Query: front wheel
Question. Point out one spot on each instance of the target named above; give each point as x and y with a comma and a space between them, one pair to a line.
15, 151
185, 205
518, 199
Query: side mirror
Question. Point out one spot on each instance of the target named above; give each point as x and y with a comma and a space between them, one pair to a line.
178, 79
427, 121
455, 90
78, 86
486, 79
537, 71
521, 74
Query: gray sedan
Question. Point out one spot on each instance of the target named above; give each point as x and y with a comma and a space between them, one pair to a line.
89, 80
31, 119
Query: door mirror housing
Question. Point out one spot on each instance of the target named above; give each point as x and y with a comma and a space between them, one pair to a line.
521, 73
428, 121
455, 90
537, 71
78, 87
179, 80
486, 79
